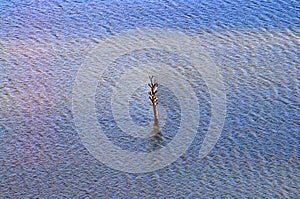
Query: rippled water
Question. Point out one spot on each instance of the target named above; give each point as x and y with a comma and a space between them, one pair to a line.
255, 44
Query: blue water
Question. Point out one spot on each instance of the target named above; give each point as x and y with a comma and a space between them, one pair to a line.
254, 43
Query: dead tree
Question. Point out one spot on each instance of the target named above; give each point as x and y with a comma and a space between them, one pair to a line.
152, 96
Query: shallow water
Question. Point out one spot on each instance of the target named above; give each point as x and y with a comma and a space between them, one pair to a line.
254, 44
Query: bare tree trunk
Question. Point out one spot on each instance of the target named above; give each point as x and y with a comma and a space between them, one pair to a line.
155, 111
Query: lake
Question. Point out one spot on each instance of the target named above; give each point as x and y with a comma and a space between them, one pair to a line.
76, 121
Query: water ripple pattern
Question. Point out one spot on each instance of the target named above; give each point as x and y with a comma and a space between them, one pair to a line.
85, 89
255, 45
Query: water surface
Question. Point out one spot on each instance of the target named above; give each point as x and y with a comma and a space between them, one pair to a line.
254, 43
